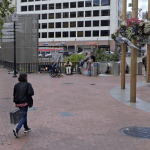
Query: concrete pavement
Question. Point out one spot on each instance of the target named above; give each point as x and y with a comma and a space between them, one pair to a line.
73, 113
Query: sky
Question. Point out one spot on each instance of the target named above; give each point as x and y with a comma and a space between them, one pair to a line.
143, 4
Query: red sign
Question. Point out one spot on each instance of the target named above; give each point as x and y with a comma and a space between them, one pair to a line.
91, 64
50, 49
92, 43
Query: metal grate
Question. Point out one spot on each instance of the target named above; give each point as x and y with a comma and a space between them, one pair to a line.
136, 132
32, 109
92, 84
6, 98
64, 114
67, 83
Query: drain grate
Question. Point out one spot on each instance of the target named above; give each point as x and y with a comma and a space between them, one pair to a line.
64, 114
67, 83
32, 109
136, 132
6, 98
92, 84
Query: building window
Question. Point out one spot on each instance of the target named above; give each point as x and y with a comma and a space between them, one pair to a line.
44, 7
80, 4
65, 15
39, 35
37, 7
87, 23
58, 5
72, 4
96, 23
72, 14
80, 13
23, 0
37, 0
80, 33
87, 33
58, 15
95, 13
51, 25
80, 24
72, 24
87, 13
58, 25
88, 3
39, 26
30, 0
105, 12
51, 34
105, 22
104, 32
44, 16
51, 6
31, 8
51, 16
72, 33
95, 33
105, 2
65, 34
96, 2
58, 34
65, 5
39, 16
65, 24
44, 34
44, 25
23, 8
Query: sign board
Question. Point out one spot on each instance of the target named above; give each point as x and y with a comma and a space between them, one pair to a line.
8, 33
14, 17
92, 43
7, 37
8, 26
8, 40
7, 30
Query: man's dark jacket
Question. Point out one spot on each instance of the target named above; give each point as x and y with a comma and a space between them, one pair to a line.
22, 92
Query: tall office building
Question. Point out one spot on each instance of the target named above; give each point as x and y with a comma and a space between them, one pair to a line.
84, 24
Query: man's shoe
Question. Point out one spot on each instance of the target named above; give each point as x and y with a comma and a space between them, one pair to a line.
85, 69
16, 132
27, 130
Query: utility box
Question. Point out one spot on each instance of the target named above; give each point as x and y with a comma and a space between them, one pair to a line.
94, 67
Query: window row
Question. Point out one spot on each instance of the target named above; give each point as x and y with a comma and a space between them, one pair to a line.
79, 14
79, 4
65, 34
74, 24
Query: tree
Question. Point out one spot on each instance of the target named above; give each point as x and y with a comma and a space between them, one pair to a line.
5, 10
100, 55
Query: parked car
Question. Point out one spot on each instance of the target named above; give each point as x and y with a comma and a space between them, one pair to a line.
64, 53
70, 53
40, 55
48, 55
81, 53
109, 52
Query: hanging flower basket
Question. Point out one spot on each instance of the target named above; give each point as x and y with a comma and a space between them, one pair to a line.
133, 29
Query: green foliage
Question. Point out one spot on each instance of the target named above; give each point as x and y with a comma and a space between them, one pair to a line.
5, 10
101, 56
75, 58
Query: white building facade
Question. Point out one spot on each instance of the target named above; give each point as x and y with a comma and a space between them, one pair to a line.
83, 24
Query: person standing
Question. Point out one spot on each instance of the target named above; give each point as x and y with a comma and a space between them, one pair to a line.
22, 94
144, 60
92, 59
68, 66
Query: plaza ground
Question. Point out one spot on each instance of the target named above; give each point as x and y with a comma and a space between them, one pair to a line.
91, 120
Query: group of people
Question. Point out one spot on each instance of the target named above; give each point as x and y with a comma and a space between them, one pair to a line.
68, 67
89, 59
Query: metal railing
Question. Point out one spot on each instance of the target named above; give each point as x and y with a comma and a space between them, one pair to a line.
42, 67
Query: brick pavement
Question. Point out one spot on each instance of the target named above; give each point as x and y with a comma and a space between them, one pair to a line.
94, 126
